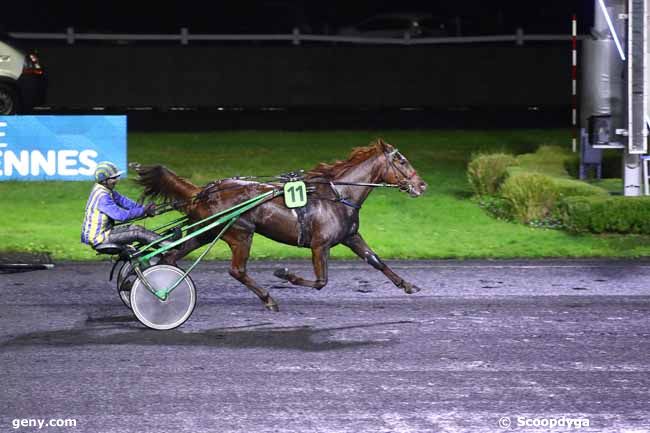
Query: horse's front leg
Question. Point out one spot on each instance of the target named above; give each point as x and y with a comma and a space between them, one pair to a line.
361, 248
319, 257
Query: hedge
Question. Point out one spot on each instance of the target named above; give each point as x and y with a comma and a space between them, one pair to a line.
612, 165
614, 214
533, 197
537, 190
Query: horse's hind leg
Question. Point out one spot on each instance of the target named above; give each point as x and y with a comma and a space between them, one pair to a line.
319, 257
173, 255
361, 248
240, 242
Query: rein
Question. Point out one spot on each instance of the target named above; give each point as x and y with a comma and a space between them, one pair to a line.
213, 187
373, 185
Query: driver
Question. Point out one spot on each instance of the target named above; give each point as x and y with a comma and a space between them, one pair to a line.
105, 206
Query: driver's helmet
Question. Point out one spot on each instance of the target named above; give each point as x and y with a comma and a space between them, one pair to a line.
106, 170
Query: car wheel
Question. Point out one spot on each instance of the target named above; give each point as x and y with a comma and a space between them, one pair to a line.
9, 102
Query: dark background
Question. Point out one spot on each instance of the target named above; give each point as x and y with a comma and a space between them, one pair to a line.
280, 16
311, 76
322, 85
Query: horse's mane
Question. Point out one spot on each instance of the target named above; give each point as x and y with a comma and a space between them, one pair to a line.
357, 156
159, 181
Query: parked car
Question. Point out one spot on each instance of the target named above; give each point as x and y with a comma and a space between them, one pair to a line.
22, 80
397, 25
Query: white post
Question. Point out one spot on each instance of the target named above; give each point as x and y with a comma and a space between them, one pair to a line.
70, 35
520, 36
632, 174
574, 86
457, 22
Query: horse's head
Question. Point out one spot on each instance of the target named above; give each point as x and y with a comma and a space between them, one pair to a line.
399, 171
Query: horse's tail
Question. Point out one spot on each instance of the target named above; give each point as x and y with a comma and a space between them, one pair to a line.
159, 181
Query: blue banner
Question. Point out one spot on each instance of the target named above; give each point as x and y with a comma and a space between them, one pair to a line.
60, 147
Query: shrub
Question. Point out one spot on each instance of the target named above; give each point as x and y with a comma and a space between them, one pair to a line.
498, 207
571, 188
611, 165
599, 214
549, 160
528, 188
532, 196
572, 166
486, 173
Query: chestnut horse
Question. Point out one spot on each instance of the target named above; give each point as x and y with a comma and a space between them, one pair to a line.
331, 216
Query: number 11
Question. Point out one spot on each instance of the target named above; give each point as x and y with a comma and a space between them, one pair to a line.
300, 190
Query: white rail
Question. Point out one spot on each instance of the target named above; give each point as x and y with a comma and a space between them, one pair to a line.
184, 37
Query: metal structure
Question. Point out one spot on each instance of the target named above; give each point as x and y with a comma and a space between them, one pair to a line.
637, 86
295, 37
615, 86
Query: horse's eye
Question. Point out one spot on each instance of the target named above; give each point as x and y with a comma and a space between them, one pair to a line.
402, 161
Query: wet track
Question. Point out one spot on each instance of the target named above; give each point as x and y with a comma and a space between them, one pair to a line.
531, 341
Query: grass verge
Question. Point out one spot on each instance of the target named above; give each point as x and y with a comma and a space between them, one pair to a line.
444, 223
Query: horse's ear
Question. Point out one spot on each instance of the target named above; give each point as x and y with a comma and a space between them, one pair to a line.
385, 147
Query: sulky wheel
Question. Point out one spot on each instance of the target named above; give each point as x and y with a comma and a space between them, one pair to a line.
125, 279
173, 311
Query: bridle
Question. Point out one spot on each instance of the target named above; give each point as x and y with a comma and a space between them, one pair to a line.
404, 183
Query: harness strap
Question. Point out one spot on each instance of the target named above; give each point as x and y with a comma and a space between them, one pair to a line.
341, 199
348, 203
304, 235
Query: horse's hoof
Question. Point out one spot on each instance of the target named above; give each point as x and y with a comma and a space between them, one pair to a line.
409, 288
283, 274
272, 306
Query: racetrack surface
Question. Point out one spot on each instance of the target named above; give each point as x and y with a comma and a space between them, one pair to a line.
484, 340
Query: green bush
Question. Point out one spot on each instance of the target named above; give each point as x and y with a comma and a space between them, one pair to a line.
572, 166
486, 173
615, 214
547, 160
498, 207
532, 196
611, 165
530, 188
576, 188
